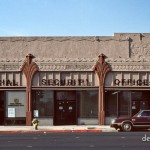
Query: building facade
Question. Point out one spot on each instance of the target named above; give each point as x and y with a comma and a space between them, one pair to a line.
73, 80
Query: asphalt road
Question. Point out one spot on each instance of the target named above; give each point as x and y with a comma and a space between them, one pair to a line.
76, 141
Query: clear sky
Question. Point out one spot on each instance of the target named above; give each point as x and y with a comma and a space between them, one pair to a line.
73, 17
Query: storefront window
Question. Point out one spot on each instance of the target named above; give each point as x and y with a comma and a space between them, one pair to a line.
15, 104
88, 103
126, 103
111, 103
140, 100
43, 103
117, 103
15, 113
124, 106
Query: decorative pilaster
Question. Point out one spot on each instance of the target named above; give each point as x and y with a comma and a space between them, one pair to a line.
29, 68
101, 68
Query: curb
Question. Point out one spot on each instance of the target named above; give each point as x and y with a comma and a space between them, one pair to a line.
49, 131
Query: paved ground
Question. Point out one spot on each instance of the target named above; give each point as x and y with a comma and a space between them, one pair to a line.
71, 138
76, 141
72, 128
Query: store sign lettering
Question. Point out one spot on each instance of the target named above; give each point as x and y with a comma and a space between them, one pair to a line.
8, 83
66, 82
131, 82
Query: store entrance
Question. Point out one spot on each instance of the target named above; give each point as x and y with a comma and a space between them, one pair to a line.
65, 108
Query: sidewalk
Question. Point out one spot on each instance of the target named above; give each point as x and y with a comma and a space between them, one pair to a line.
44, 129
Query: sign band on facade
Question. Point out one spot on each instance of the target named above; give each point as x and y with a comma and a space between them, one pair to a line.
66, 82
8, 83
131, 82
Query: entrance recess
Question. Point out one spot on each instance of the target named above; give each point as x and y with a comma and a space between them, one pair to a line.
2, 112
65, 108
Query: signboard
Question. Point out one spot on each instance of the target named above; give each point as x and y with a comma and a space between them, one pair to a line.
60, 79
36, 113
128, 79
12, 78
11, 112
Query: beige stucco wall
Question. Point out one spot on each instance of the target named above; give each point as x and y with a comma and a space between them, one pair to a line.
120, 45
56, 47
139, 44
124, 52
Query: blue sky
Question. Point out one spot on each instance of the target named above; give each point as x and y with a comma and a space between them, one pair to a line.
73, 17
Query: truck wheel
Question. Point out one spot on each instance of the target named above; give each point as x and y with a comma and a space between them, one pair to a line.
127, 127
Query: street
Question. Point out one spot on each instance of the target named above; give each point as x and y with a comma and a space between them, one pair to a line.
76, 141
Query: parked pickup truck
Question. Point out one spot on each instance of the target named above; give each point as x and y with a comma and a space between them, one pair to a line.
139, 121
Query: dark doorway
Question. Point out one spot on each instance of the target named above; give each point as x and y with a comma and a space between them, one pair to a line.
2, 109
65, 108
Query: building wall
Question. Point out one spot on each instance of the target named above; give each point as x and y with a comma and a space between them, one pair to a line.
126, 53
120, 47
62, 47
125, 44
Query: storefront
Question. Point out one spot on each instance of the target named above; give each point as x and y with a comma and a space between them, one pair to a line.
127, 91
12, 98
53, 96
65, 98
73, 80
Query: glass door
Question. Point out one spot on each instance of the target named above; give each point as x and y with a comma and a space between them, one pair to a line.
65, 108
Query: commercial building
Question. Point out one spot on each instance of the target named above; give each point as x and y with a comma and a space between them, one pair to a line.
73, 80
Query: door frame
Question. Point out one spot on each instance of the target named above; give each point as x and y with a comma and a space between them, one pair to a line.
65, 100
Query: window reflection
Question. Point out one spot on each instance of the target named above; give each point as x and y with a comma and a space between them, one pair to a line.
126, 103
88, 102
43, 102
16, 100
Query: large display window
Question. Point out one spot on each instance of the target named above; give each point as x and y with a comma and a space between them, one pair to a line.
125, 103
88, 103
43, 103
15, 112
140, 100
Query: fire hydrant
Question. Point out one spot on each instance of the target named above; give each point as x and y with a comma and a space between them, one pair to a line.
35, 123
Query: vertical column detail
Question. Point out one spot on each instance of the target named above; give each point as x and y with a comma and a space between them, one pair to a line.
101, 68
29, 68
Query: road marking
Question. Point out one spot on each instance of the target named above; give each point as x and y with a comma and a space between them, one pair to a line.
29, 146
91, 146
